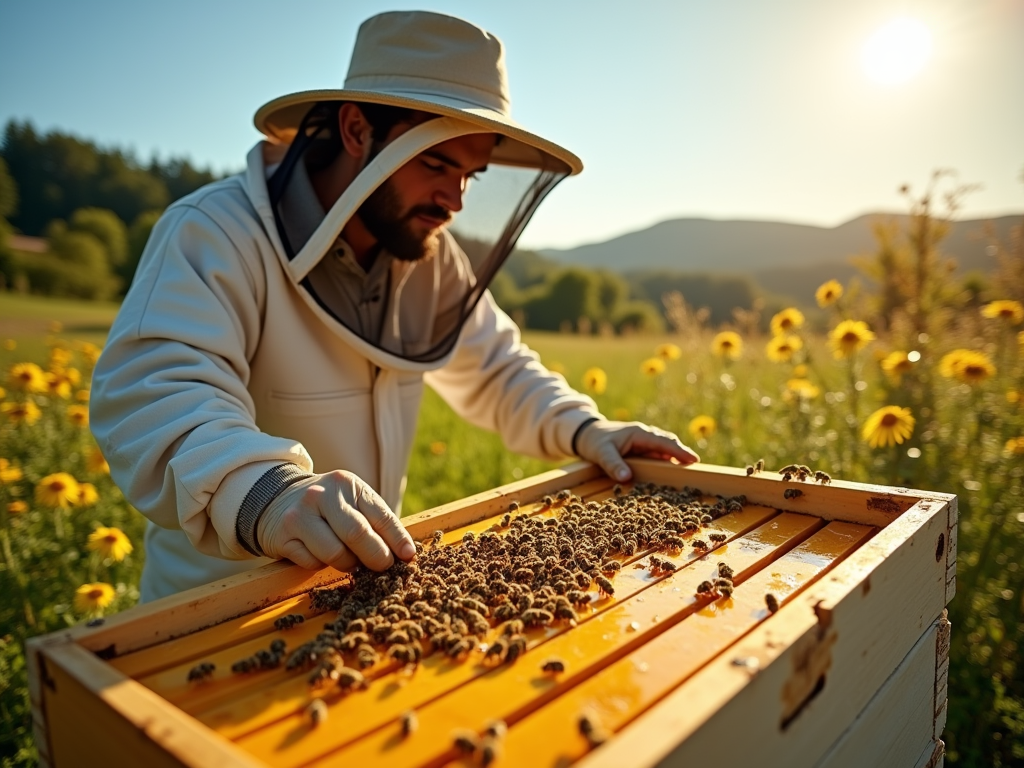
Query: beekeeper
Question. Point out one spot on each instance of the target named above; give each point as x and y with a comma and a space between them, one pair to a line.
258, 395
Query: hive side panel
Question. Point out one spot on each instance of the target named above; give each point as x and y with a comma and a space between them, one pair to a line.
807, 672
96, 716
934, 755
896, 726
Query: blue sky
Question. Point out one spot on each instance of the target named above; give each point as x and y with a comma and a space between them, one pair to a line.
737, 109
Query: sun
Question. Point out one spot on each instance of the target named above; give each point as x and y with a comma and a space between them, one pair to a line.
897, 51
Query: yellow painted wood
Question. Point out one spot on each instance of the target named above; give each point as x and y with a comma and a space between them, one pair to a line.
621, 692
511, 691
436, 676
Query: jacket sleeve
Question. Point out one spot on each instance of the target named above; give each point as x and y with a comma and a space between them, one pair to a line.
169, 404
496, 382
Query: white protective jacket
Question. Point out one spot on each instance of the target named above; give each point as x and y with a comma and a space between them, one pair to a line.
218, 368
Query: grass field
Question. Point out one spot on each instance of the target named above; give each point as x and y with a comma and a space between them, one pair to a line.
956, 403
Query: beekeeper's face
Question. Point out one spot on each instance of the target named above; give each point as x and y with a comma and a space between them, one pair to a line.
406, 212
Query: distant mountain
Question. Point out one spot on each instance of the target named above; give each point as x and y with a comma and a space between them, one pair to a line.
788, 259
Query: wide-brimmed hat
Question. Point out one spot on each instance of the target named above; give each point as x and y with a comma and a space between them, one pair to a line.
434, 63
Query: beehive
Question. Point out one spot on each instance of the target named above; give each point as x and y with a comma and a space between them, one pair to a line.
850, 670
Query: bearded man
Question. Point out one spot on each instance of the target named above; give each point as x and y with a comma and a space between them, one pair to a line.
258, 395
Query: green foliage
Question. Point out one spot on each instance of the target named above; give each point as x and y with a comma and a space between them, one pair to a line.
721, 294
8, 192
138, 236
105, 227
637, 317
568, 296
58, 173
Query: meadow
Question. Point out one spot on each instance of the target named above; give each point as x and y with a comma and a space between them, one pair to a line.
937, 405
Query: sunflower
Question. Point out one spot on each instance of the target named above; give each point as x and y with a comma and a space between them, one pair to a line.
82, 395
787, 321
800, 371
595, 380
87, 495
802, 388
57, 490
58, 385
652, 366
91, 597
668, 352
90, 352
702, 427
828, 293
967, 365
8, 472
1014, 446
727, 344
95, 462
78, 415
17, 508
27, 377
110, 542
895, 364
59, 357
782, 348
890, 425
1010, 311
1012, 396
28, 412
849, 336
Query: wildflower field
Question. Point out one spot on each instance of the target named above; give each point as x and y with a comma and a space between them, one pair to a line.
931, 400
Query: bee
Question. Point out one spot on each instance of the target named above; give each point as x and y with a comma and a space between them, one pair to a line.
722, 582
436, 536
565, 613
246, 665
506, 519
289, 621
468, 537
705, 587
460, 647
750, 470
353, 640
505, 611
409, 723
605, 585
725, 591
490, 750
617, 489
582, 580
474, 605
547, 501
516, 647
789, 469
591, 731
786, 476
611, 566
563, 496
316, 712
700, 544
725, 572
822, 477
514, 627
398, 637
466, 742
772, 602
366, 656
349, 678
496, 729
553, 666
497, 650
513, 507
201, 671
717, 538
537, 617
792, 493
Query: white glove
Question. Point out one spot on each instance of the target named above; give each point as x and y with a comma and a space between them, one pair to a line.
606, 442
333, 519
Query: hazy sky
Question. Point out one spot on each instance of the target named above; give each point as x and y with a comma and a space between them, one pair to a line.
731, 109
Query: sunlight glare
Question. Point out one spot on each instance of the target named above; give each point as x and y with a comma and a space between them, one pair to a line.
897, 51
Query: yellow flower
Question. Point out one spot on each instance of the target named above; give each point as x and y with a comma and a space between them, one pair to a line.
787, 321
895, 364
95, 462
58, 385
78, 415
1012, 396
595, 380
59, 357
727, 344
87, 495
828, 293
967, 365
17, 508
3, 393
57, 490
803, 388
27, 377
668, 352
702, 427
8, 472
10, 345
90, 597
1010, 311
90, 352
800, 371
652, 366
110, 542
438, 448
82, 395
782, 348
28, 412
890, 425
849, 336
1014, 446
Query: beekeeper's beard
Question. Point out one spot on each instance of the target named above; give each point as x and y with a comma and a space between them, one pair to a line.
382, 216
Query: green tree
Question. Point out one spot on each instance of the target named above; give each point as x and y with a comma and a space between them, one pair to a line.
138, 236
104, 225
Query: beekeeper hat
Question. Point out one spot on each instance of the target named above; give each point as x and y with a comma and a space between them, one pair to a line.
434, 63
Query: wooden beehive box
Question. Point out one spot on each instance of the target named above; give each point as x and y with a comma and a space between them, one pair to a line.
850, 671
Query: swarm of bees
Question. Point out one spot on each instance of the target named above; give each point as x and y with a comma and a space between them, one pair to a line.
803, 473
289, 621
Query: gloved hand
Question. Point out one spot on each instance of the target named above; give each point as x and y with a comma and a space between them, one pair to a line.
333, 519
606, 442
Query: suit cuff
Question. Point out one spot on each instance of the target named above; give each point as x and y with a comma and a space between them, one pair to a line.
256, 501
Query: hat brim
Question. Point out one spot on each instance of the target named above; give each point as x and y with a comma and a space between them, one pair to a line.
279, 120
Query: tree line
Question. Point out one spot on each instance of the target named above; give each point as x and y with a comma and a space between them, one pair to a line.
96, 207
